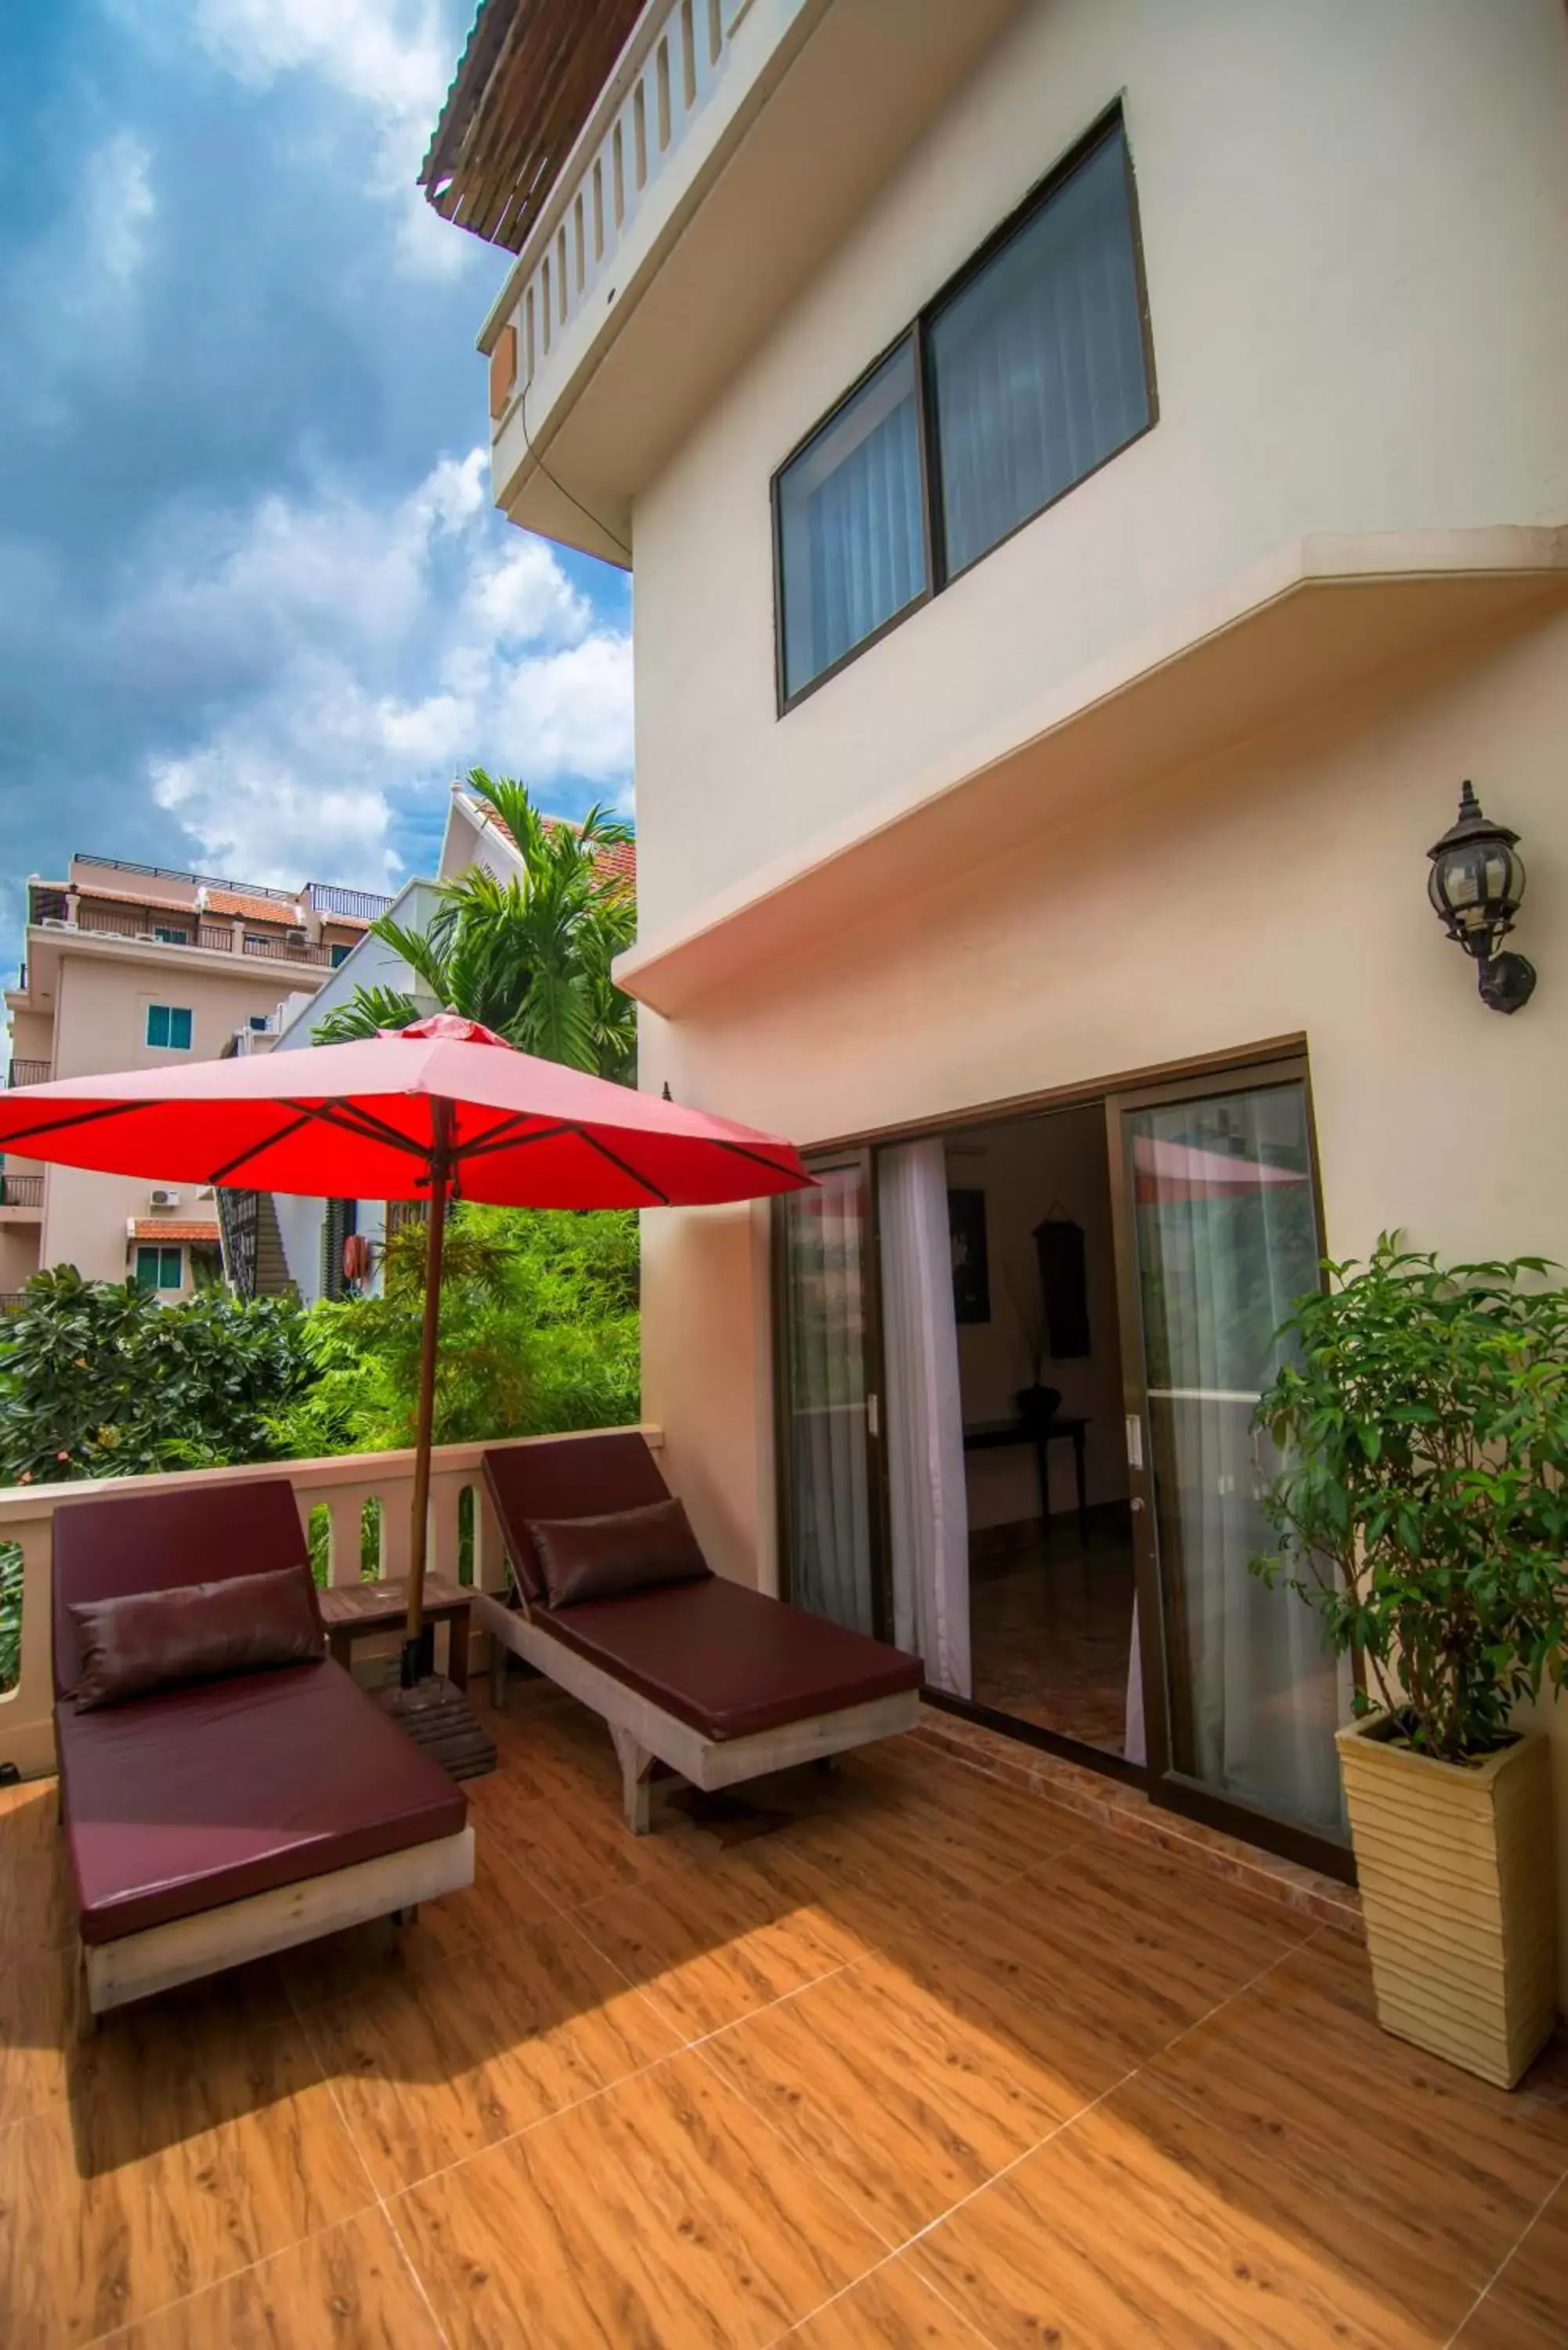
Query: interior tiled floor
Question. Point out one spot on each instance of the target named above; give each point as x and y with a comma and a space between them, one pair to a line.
1051, 1631
895, 2057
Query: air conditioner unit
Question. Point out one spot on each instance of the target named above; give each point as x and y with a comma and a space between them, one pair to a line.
159, 1198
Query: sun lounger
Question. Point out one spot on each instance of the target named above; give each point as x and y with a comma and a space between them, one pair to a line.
720, 1683
219, 1818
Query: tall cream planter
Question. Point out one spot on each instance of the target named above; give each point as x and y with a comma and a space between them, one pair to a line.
1456, 1887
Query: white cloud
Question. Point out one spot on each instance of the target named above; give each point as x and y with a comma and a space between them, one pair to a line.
390, 60
116, 202
371, 650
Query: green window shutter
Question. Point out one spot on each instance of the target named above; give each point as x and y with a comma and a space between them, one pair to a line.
180, 1027
147, 1268
170, 1270
158, 1024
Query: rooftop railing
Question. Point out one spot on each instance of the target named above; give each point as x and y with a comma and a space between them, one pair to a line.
364, 905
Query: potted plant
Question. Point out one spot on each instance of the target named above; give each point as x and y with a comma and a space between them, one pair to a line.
1422, 1509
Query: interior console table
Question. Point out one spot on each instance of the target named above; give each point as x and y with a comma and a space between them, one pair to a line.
992, 1435
352, 1611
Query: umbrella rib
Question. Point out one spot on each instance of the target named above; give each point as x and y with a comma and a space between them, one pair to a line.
232, 1166
757, 1157
79, 1117
497, 1139
363, 1124
605, 1152
492, 1134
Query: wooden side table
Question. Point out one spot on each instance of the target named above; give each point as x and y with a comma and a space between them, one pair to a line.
352, 1611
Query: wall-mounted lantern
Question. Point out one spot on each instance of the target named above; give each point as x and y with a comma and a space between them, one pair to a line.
1475, 885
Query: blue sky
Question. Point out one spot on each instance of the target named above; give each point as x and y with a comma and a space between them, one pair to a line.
256, 609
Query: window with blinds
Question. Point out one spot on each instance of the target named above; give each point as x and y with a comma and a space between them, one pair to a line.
1022, 377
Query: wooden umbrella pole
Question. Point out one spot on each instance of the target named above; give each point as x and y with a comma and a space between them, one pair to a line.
415, 1662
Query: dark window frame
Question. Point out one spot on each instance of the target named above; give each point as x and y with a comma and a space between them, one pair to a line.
939, 576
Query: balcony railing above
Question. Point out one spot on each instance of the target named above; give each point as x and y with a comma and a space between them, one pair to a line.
297, 950
21, 1190
28, 1073
107, 921
364, 905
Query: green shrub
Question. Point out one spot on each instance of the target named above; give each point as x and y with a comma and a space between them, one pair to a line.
538, 1333
1422, 1509
98, 1379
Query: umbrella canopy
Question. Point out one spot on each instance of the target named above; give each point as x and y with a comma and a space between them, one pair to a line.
442, 1109
363, 1121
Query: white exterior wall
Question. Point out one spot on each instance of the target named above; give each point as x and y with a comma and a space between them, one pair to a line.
1354, 223
1355, 228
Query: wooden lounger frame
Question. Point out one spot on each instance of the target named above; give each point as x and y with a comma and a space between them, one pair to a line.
110, 1974
645, 1733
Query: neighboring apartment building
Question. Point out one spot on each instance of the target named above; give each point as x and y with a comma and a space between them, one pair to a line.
131, 966
1096, 478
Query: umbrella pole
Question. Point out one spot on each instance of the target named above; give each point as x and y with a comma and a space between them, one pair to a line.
419, 1644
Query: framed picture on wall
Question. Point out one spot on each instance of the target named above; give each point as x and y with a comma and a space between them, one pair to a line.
972, 1268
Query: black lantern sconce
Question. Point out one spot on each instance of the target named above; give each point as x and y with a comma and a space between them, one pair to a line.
1475, 885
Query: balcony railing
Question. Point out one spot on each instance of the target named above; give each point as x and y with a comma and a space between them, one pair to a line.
28, 1073
340, 1488
21, 1190
365, 905
105, 921
12, 1302
668, 73
296, 950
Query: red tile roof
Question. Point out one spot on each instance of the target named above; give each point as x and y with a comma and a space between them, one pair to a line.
92, 890
616, 860
254, 909
172, 1230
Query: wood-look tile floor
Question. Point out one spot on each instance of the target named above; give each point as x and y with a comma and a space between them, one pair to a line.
899, 2056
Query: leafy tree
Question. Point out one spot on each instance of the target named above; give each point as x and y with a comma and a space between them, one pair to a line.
529, 957
539, 1333
98, 1379
1423, 1506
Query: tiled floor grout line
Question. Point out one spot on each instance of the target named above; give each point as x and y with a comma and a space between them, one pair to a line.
313, 2043
1516, 2247
1069, 2122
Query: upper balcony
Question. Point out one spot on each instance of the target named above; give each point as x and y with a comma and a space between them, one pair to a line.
729, 146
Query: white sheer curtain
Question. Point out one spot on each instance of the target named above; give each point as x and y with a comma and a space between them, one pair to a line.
1227, 1240
929, 1507
830, 1495
1038, 362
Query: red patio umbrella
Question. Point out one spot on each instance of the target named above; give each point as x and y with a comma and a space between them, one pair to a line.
440, 1110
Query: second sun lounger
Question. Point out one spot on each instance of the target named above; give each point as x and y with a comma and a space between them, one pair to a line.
720, 1682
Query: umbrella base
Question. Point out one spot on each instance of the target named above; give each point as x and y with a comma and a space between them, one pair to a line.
442, 1724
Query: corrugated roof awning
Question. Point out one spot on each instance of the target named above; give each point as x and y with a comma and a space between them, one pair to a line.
528, 80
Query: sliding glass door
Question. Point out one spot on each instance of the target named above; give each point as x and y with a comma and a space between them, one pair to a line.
829, 1420
1218, 1235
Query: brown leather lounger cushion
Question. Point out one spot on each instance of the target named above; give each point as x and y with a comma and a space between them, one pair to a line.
146, 1640
178, 1803
728, 1660
624, 1550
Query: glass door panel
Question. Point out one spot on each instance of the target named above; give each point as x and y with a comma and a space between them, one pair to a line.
1223, 1217
829, 1454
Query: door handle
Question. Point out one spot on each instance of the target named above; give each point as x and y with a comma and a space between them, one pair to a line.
873, 1416
1135, 1502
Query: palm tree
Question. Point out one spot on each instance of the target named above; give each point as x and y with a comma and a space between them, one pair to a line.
531, 956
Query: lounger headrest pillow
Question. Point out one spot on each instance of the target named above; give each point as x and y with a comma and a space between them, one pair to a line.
630, 1550
147, 1640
